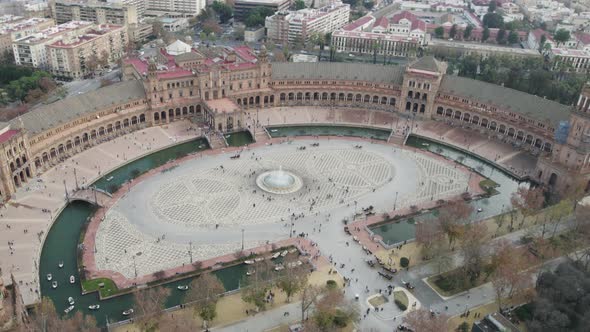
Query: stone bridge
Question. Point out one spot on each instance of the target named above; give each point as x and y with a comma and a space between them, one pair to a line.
91, 195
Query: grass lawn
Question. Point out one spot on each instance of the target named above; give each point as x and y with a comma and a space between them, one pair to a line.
449, 283
483, 310
92, 285
488, 186
401, 297
378, 300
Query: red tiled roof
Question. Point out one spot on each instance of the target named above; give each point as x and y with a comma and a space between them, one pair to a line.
382, 22
245, 53
361, 21
246, 59
416, 23
539, 32
8, 135
584, 38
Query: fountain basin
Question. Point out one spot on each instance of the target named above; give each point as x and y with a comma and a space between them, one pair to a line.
279, 182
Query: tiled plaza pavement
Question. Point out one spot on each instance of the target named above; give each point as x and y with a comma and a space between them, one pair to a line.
177, 211
516, 161
22, 220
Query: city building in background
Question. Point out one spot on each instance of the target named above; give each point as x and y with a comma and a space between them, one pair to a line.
242, 7
98, 12
76, 56
299, 26
16, 27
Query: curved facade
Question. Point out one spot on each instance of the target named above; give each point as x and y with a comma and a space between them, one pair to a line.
218, 93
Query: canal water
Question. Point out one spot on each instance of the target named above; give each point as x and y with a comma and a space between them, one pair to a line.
61, 245
405, 229
239, 138
64, 236
119, 176
372, 133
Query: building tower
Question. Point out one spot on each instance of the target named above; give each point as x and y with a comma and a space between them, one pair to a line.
570, 158
421, 81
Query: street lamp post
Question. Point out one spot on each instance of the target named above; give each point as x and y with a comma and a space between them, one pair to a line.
395, 201
66, 190
134, 266
190, 251
242, 239
76, 178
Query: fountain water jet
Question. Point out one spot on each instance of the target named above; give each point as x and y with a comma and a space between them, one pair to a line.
279, 181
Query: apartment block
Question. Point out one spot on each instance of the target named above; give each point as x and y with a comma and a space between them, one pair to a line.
299, 26
98, 12
15, 27
31, 50
140, 6
243, 7
192, 7
76, 56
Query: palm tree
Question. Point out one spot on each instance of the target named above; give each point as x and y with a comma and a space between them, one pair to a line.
317, 38
376, 47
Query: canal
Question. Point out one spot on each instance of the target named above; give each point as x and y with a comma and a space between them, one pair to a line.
307, 130
61, 245
405, 229
239, 138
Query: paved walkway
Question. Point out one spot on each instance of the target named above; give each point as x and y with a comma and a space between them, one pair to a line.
25, 220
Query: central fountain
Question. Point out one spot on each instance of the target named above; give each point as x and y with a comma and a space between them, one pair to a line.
279, 182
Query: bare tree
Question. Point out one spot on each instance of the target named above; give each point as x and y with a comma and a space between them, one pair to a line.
528, 201
452, 217
148, 305
473, 249
428, 235
45, 317
257, 284
332, 311
558, 212
422, 320
180, 321
309, 296
509, 276
205, 291
91, 63
82, 323
293, 278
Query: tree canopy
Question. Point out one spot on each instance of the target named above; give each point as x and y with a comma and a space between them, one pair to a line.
529, 75
225, 11
493, 20
563, 301
561, 36
257, 16
299, 4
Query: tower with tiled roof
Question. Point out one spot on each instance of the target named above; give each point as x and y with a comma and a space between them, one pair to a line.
421, 81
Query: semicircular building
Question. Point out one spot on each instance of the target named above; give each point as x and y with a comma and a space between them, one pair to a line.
222, 90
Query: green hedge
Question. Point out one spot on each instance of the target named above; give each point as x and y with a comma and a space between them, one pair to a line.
331, 284
400, 305
404, 262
